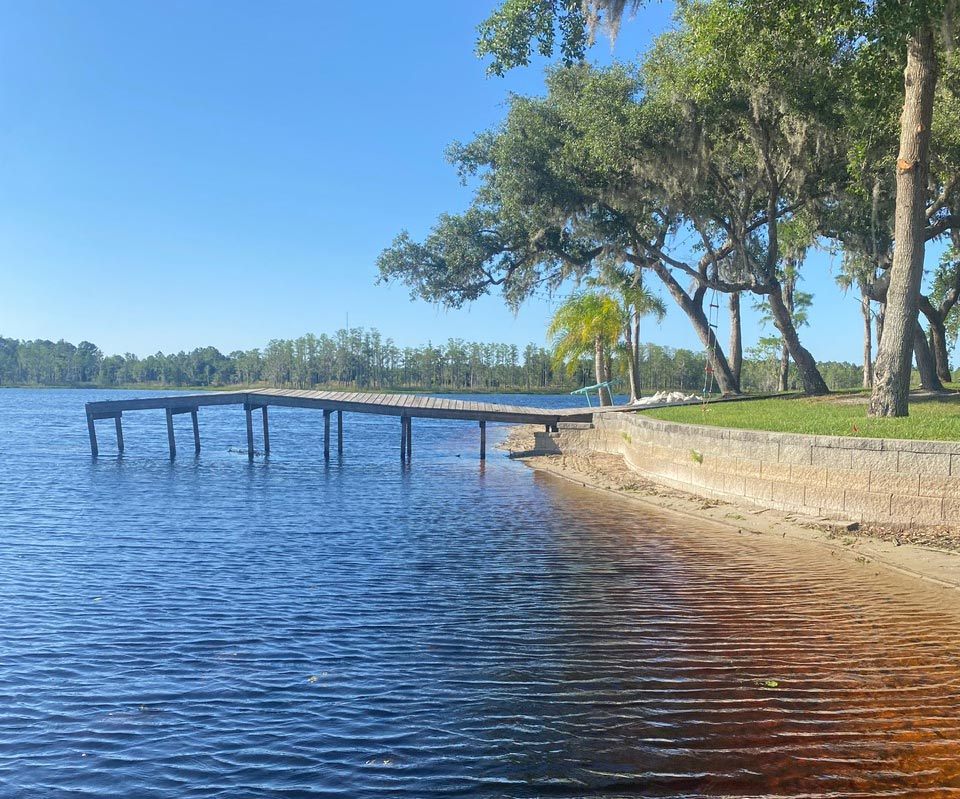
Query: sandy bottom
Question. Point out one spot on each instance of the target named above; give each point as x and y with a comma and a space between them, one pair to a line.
930, 555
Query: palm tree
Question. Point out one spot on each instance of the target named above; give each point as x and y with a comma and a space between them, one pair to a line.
635, 302
587, 322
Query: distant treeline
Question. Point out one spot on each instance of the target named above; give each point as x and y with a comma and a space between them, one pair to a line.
363, 359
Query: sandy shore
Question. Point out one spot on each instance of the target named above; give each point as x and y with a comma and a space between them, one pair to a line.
928, 554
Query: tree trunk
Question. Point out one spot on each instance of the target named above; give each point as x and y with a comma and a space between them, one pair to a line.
925, 363
694, 311
813, 382
867, 341
599, 365
631, 334
938, 344
736, 339
938, 339
783, 381
891, 386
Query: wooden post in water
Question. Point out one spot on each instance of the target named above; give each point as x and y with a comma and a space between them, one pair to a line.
92, 430
249, 411
409, 437
196, 431
170, 437
326, 433
483, 440
117, 422
403, 438
266, 431
340, 432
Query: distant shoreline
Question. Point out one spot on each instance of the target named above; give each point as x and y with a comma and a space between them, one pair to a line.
255, 386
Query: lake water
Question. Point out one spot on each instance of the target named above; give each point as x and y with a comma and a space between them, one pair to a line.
289, 627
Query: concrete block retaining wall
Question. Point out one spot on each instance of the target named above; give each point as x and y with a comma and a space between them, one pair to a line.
883, 481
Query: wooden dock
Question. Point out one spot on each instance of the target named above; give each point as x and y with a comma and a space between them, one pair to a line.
406, 406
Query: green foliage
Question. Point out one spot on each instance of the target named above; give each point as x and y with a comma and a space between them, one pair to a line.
43, 362
355, 358
461, 258
944, 283
762, 366
510, 34
583, 322
752, 118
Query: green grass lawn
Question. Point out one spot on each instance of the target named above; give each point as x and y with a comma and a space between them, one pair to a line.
842, 414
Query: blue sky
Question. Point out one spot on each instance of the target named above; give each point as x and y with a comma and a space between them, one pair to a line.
183, 174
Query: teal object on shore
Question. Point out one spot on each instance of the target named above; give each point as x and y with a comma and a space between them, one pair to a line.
598, 387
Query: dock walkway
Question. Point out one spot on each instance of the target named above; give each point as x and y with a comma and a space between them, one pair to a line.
406, 406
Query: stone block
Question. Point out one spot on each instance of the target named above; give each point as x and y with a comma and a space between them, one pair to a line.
759, 490
734, 484
951, 511
788, 493
746, 468
874, 461
831, 457
938, 486
866, 506
918, 510
771, 470
927, 447
769, 451
808, 475
708, 478
856, 443
901, 484
723, 464
796, 453
682, 473
734, 448
641, 462
936, 463
545, 443
826, 500
793, 439
662, 453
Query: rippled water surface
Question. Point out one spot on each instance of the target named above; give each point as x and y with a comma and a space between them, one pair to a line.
294, 628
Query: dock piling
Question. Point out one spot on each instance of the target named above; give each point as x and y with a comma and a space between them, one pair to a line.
326, 433
483, 440
406, 437
92, 430
248, 408
119, 426
196, 431
339, 432
171, 440
266, 431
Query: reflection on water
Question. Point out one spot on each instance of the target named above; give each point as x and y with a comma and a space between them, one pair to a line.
360, 628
